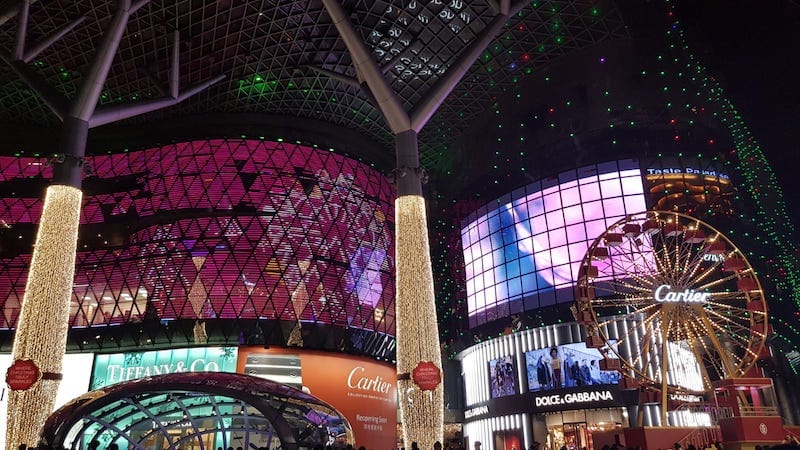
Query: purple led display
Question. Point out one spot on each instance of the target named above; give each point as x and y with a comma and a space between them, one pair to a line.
522, 252
225, 229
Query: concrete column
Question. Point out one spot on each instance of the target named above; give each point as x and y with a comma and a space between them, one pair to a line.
68, 168
408, 170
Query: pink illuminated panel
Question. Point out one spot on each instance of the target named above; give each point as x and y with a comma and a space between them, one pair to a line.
523, 251
227, 229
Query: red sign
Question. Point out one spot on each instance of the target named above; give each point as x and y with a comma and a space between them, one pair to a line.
22, 375
426, 375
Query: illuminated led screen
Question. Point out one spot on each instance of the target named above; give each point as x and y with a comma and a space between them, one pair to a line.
566, 366
502, 377
522, 252
228, 228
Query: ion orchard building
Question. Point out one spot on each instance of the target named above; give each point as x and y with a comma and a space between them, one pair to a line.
278, 234
225, 233
234, 242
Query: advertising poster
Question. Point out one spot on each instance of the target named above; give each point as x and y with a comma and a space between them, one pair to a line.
361, 389
567, 366
502, 378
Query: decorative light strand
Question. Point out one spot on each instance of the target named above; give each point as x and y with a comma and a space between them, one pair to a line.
41, 333
421, 412
776, 234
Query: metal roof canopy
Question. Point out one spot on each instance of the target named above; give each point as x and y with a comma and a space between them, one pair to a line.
286, 57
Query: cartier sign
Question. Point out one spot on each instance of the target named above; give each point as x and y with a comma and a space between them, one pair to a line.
666, 294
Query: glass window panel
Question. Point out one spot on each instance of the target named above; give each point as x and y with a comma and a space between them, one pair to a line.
595, 227
530, 282
512, 268
526, 265
570, 196
514, 287
573, 215
552, 202
635, 204
488, 278
538, 224
500, 292
614, 206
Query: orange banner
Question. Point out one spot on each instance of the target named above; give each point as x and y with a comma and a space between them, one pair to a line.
362, 389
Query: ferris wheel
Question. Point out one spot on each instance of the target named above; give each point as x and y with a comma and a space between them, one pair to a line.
674, 300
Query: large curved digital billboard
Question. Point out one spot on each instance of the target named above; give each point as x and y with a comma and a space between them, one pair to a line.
522, 251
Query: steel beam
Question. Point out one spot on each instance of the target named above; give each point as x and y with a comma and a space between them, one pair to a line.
50, 40
22, 29
344, 79
423, 112
387, 100
52, 98
175, 69
116, 113
85, 102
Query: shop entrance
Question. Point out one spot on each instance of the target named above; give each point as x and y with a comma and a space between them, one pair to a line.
158, 441
569, 436
575, 436
580, 429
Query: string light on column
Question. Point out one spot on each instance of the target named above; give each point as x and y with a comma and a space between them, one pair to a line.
417, 329
45, 309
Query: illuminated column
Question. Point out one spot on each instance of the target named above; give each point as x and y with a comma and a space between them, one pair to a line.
417, 330
421, 412
41, 333
44, 319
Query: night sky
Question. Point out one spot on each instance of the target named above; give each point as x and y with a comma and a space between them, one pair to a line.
752, 47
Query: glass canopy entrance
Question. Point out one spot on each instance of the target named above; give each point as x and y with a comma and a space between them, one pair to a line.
196, 411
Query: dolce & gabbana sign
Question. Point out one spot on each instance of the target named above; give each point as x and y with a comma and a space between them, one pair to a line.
481, 410
572, 398
600, 396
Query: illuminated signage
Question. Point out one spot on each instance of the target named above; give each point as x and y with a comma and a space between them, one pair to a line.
686, 398
665, 294
687, 171
356, 380
477, 411
573, 398
118, 367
